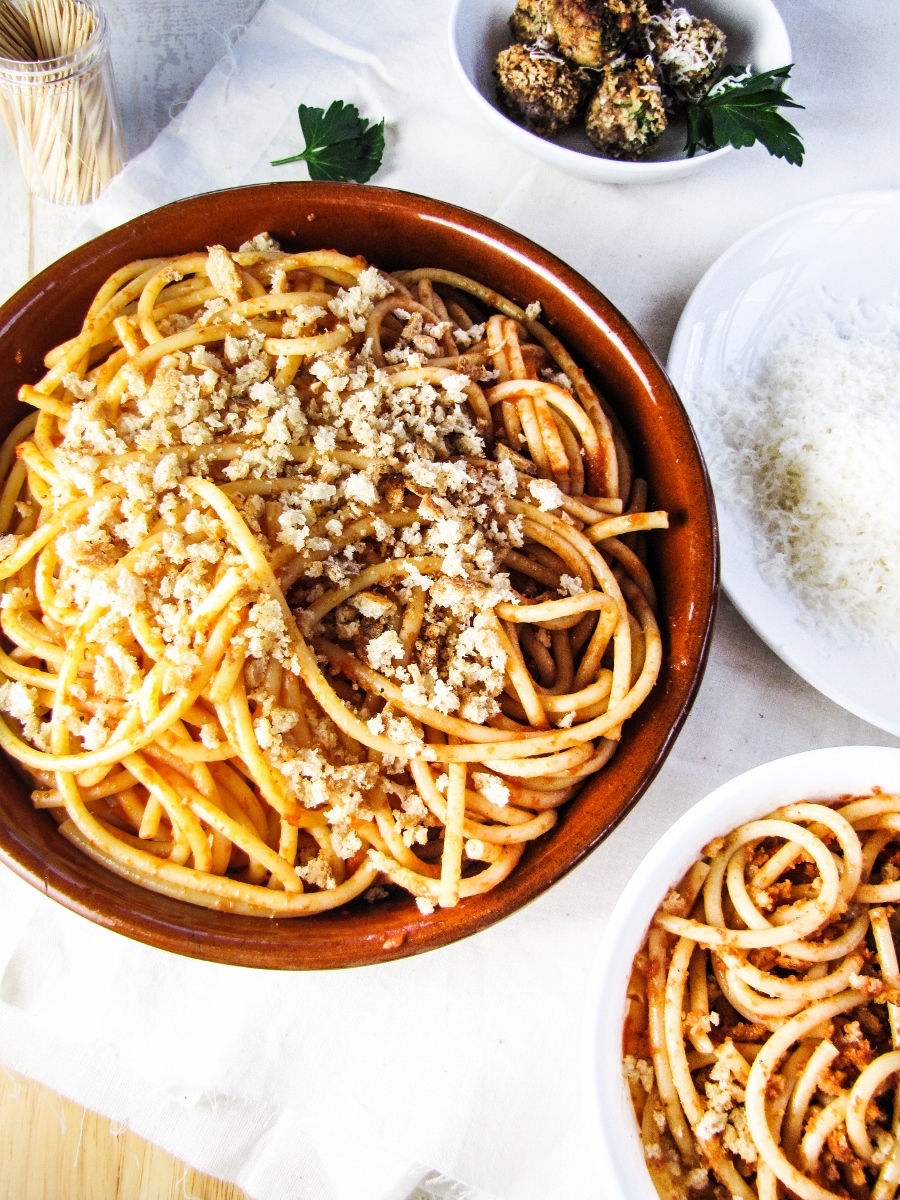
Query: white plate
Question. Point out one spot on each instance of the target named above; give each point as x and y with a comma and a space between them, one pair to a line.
827, 255
816, 774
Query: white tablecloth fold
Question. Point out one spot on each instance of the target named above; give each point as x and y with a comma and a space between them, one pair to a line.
353, 1085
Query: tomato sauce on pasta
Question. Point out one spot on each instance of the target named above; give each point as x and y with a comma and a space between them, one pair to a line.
316, 578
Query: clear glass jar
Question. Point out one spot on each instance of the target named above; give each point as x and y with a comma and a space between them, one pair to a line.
63, 116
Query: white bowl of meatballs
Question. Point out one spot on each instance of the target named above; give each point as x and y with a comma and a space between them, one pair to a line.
598, 88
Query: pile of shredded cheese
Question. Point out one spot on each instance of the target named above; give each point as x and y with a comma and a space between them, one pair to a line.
808, 450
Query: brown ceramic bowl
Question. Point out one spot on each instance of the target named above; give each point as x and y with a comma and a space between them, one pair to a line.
393, 230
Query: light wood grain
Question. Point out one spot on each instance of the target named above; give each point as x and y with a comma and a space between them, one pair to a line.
52, 1149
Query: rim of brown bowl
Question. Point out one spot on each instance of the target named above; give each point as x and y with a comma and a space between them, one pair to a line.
393, 230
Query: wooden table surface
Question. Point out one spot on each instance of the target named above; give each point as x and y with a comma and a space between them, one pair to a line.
51, 1148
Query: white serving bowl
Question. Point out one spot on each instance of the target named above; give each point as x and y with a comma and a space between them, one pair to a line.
479, 30
817, 774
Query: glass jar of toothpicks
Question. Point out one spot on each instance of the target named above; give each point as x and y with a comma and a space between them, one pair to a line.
58, 97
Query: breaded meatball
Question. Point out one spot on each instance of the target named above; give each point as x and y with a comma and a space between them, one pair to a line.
594, 32
540, 89
688, 50
626, 115
529, 23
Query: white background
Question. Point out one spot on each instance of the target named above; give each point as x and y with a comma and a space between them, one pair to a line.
467, 1060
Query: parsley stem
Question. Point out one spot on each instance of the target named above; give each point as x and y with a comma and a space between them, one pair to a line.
339, 144
279, 162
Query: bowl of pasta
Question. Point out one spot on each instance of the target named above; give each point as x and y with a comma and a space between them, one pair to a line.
743, 1029
360, 566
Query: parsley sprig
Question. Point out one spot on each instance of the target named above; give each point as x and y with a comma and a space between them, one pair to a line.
340, 144
740, 109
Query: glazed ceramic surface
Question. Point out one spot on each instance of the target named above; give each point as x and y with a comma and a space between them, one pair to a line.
394, 230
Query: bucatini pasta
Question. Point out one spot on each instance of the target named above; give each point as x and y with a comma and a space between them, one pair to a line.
762, 1037
316, 578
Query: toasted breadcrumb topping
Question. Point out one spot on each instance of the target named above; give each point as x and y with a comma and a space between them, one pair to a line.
371, 465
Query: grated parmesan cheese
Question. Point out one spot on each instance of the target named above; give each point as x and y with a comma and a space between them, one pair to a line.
806, 451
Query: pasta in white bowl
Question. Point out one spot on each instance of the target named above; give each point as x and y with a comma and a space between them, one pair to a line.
745, 1013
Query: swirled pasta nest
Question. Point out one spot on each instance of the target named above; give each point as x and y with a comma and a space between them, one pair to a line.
317, 579
762, 1038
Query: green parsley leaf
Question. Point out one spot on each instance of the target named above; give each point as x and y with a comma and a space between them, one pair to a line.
340, 144
740, 109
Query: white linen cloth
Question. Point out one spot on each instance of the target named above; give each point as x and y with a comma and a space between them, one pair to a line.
466, 1061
